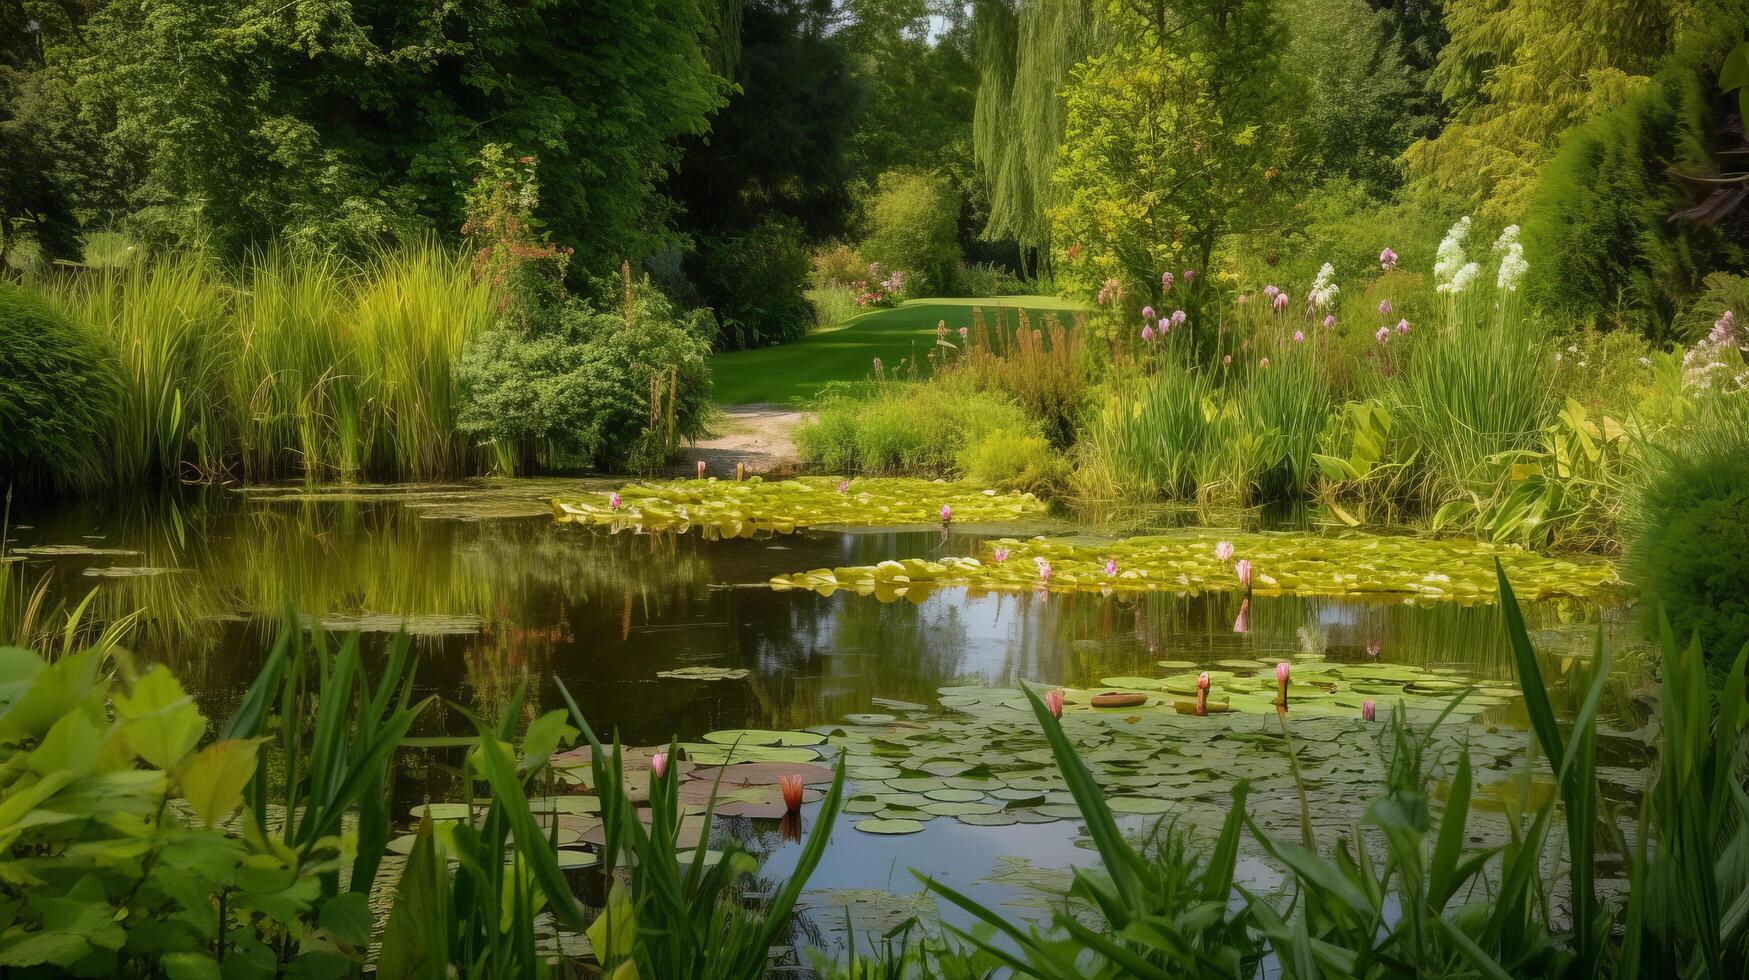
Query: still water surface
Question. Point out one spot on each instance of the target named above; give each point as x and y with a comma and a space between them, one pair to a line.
496, 593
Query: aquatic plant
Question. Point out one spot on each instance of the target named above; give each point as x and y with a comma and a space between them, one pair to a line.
58, 395
1346, 565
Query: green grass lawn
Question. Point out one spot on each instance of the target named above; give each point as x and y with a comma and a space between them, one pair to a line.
794, 373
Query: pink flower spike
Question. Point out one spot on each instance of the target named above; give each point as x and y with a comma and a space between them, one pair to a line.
1280, 302
1202, 681
1202, 693
1147, 334
659, 764
843, 486
613, 500
1243, 569
1403, 326
1387, 259
1165, 282
1224, 551
1368, 711
1147, 313
1272, 290
1385, 306
1299, 336
1001, 554
1330, 321
1178, 318
1110, 567
946, 513
1189, 274
1054, 703
1281, 674
1383, 335
791, 785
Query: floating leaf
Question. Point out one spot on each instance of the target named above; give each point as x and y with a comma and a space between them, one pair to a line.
889, 826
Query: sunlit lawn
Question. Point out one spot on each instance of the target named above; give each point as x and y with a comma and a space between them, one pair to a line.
793, 373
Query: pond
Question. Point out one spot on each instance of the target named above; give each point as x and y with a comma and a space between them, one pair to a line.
680, 634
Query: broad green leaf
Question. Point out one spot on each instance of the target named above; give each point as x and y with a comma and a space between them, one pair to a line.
162, 723
52, 692
213, 780
543, 737
614, 931
73, 744
347, 917
414, 945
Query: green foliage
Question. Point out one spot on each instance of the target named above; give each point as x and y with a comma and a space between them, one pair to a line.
1173, 137
1720, 291
986, 279
911, 428
1599, 233
1690, 548
58, 394
913, 228
757, 283
1147, 439
348, 123
1012, 459
1359, 97
603, 389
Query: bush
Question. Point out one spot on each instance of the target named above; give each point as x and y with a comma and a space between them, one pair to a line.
837, 265
1014, 459
587, 384
985, 279
1690, 556
1720, 291
58, 395
914, 222
833, 306
756, 282
915, 429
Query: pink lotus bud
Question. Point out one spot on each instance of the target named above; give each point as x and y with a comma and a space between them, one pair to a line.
1224, 550
1054, 703
659, 764
1299, 336
1403, 326
613, 500
1387, 259
1001, 554
1383, 335
1330, 321
701, 469
1202, 694
1243, 569
946, 513
1282, 672
1385, 306
1110, 567
1202, 681
791, 785
1368, 711
1147, 313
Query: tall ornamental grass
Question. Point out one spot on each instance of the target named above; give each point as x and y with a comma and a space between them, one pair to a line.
288, 364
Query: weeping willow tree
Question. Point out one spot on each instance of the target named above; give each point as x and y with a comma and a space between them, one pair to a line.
1027, 52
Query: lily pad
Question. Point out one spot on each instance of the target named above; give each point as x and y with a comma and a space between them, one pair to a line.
880, 826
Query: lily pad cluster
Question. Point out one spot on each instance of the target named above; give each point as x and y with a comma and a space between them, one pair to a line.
731, 509
1418, 569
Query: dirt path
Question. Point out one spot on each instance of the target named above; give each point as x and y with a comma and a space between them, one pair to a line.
758, 435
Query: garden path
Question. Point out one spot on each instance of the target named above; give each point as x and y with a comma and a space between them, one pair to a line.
759, 434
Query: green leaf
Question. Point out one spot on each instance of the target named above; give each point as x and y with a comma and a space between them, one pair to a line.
415, 940
72, 745
614, 931
190, 966
347, 918
52, 692
213, 780
162, 723
543, 737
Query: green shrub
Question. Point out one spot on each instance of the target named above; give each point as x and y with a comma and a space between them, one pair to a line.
58, 395
917, 429
914, 228
833, 306
756, 282
588, 384
1690, 554
1014, 459
1720, 291
1146, 440
836, 265
985, 279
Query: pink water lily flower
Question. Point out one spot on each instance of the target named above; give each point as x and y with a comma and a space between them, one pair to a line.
1299, 336
1369, 711
1383, 335
613, 501
1054, 703
946, 513
1243, 569
1001, 554
1281, 676
1044, 569
1224, 550
843, 486
791, 785
1387, 259
1243, 623
701, 469
1372, 648
659, 764
1402, 326
1147, 313
1385, 306
1110, 567
1202, 693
